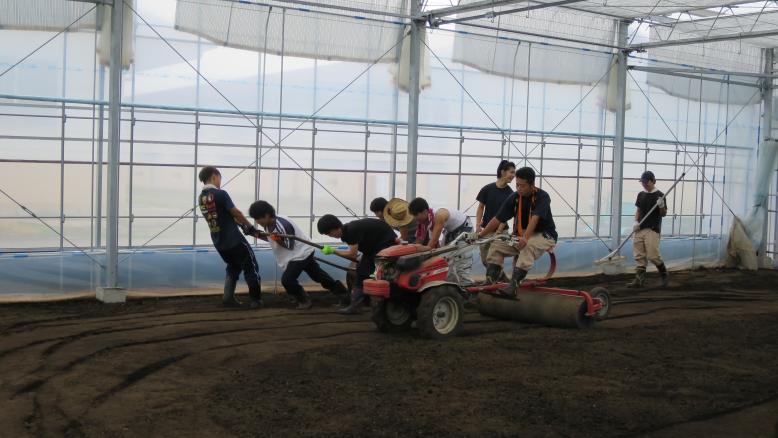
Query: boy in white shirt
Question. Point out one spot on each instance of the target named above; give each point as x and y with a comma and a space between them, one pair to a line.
294, 257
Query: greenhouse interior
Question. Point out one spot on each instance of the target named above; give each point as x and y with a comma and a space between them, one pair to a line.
307, 105
351, 218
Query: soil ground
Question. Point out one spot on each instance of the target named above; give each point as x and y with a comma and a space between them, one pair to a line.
696, 359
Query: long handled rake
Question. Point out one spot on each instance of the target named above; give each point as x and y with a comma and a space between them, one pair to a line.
614, 258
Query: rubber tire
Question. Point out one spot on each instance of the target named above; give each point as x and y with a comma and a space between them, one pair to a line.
601, 292
382, 321
429, 299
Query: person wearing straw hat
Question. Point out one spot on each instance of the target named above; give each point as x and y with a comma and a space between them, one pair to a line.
651, 208
395, 213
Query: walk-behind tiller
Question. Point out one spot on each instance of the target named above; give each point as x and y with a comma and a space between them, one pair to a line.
410, 285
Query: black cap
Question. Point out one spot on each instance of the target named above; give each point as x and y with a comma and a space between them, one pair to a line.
648, 176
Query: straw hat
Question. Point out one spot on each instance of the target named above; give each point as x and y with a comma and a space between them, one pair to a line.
396, 213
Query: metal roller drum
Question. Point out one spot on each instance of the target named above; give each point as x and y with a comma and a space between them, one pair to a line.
541, 308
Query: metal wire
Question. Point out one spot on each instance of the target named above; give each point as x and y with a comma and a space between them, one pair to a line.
61, 235
678, 141
525, 157
48, 41
275, 145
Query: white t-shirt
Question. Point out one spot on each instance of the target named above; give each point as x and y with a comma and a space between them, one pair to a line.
288, 250
455, 220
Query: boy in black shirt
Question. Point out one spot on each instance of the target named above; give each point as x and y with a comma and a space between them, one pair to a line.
223, 220
533, 226
368, 236
490, 199
645, 242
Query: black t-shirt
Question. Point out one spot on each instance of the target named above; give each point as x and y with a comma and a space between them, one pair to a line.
492, 197
370, 235
645, 203
215, 205
538, 205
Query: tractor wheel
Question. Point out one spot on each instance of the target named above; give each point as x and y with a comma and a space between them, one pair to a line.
391, 316
605, 297
441, 312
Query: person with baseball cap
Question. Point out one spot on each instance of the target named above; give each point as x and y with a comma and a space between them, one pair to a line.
651, 208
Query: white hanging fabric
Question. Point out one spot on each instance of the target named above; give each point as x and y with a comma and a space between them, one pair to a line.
309, 34
128, 32
402, 71
535, 58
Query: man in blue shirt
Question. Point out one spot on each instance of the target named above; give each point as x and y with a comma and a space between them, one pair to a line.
223, 220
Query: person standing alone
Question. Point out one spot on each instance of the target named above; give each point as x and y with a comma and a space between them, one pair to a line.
651, 208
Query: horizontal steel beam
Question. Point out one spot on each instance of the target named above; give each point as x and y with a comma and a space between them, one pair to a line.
477, 6
540, 35
709, 39
691, 75
492, 14
708, 71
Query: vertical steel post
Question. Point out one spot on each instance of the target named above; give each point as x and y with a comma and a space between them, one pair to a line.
618, 141
99, 178
413, 99
111, 291
767, 129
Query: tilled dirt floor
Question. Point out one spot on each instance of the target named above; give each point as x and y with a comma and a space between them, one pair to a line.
699, 358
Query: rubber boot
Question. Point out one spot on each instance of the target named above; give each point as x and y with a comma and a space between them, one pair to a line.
640, 278
255, 293
228, 298
513, 287
357, 300
663, 274
343, 295
493, 273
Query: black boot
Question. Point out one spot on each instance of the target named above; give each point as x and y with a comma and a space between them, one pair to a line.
493, 273
640, 278
663, 274
513, 286
228, 297
357, 300
343, 295
255, 295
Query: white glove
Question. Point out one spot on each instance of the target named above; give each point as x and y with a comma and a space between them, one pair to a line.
471, 236
660, 203
636, 226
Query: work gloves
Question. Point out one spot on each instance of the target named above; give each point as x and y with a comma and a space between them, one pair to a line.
327, 250
471, 236
636, 226
660, 203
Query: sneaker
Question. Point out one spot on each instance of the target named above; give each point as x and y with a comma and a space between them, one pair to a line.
304, 305
232, 303
255, 304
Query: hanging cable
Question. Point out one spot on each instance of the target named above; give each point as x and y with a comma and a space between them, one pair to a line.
525, 157
32, 214
275, 145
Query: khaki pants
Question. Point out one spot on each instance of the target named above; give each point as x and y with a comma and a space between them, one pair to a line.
645, 245
536, 246
484, 250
